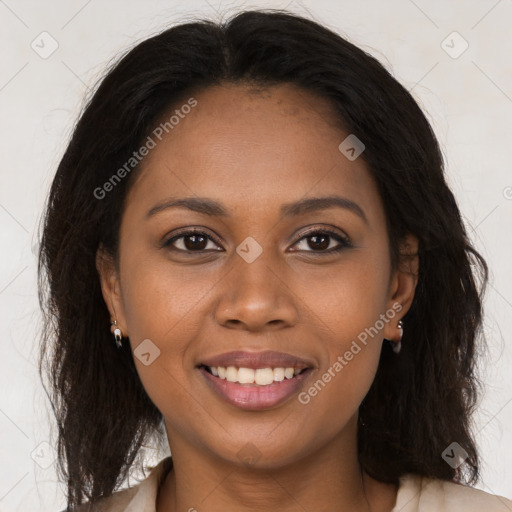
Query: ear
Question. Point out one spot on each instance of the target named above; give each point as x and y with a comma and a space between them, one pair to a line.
403, 284
110, 287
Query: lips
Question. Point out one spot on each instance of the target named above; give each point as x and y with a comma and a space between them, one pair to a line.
255, 360
255, 380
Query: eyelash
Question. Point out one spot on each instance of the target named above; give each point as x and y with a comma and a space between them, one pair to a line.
168, 243
344, 242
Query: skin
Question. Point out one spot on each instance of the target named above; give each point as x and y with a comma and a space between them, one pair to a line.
253, 151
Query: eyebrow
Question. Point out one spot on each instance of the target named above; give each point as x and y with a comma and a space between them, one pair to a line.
197, 204
211, 207
312, 204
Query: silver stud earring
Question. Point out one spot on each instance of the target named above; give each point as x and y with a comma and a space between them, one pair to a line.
397, 346
118, 335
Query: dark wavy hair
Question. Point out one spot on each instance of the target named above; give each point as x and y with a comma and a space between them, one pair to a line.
421, 400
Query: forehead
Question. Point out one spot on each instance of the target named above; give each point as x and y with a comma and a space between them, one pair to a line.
276, 144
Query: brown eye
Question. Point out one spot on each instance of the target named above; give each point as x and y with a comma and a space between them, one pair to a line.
195, 242
319, 242
322, 242
192, 241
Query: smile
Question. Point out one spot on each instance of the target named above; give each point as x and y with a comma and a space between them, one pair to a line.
259, 376
251, 395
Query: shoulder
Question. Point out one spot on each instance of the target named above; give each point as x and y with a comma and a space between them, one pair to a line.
118, 502
417, 493
140, 497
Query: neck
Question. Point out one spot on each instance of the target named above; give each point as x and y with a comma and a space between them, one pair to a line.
329, 478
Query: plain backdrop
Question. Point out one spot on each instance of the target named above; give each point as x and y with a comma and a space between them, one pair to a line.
453, 55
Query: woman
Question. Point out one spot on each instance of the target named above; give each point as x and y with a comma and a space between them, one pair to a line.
250, 245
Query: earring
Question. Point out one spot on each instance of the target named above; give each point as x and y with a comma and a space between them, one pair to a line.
397, 346
118, 335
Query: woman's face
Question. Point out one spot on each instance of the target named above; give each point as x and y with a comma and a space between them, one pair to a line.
271, 278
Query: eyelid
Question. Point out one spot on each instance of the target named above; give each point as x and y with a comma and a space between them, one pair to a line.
324, 229
168, 240
343, 239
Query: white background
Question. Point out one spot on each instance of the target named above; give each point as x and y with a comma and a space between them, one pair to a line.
468, 100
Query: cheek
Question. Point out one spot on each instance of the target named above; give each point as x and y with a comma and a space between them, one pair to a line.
348, 297
348, 304
169, 307
157, 299
160, 306
332, 400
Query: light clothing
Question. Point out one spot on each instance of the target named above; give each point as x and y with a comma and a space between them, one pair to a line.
415, 494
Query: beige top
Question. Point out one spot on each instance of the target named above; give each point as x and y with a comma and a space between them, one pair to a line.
415, 494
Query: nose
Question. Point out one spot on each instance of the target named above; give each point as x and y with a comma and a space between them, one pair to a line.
255, 297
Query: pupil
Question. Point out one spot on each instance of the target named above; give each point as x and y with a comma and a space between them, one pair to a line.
322, 242
198, 242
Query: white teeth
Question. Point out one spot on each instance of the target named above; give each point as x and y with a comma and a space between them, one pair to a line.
246, 375
263, 376
231, 374
278, 374
260, 376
